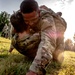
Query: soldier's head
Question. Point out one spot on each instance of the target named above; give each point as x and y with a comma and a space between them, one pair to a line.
17, 22
30, 12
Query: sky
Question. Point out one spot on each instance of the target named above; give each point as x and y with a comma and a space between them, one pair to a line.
65, 6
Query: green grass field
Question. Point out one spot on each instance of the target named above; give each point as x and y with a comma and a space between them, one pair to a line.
16, 64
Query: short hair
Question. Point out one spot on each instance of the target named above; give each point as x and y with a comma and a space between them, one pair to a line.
28, 6
17, 22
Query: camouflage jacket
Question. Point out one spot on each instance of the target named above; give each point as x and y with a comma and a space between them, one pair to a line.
52, 38
26, 45
47, 46
51, 27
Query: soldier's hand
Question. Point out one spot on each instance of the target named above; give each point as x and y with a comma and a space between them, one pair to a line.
31, 73
10, 50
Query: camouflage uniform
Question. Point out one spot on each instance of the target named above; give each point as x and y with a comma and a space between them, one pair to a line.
44, 49
26, 45
52, 39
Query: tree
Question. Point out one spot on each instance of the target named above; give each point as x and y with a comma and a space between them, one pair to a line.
74, 37
4, 19
73, 49
68, 44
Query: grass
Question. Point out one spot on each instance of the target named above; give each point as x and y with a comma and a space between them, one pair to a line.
12, 63
16, 64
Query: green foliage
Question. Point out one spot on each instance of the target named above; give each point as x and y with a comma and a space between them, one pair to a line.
4, 19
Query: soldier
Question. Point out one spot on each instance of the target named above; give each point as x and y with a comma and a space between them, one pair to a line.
23, 39
5, 31
52, 40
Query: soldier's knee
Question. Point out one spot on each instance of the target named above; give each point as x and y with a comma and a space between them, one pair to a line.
58, 56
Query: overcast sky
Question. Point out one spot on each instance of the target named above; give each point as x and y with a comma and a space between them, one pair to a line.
66, 6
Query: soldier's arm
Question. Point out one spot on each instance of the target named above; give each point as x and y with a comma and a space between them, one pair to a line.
11, 48
46, 47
